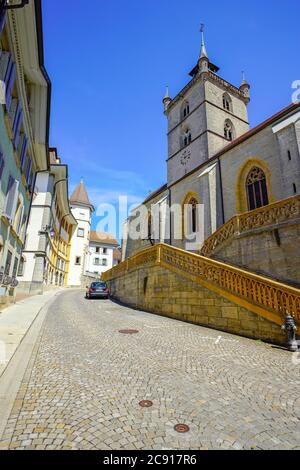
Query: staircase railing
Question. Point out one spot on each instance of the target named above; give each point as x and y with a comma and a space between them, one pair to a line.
264, 296
273, 214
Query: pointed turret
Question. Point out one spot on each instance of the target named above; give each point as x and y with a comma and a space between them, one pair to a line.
167, 99
245, 87
80, 196
203, 52
203, 62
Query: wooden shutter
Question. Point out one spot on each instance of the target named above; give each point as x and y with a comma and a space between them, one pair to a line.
24, 147
28, 170
20, 221
2, 19
2, 163
10, 84
17, 122
11, 198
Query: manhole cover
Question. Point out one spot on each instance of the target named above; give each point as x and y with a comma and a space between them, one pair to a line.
146, 403
181, 428
128, 332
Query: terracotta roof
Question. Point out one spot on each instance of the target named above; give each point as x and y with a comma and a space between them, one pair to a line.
80, 196
105, 238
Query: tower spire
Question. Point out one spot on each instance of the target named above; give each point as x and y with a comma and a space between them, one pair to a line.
203, 52
167, 99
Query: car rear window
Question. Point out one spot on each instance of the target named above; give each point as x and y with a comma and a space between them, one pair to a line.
97, 285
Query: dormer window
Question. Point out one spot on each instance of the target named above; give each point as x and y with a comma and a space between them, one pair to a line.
228, 130
227, 102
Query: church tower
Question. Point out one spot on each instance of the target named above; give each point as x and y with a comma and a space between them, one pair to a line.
204, 117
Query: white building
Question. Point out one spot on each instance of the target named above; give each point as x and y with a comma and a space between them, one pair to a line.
82, 210
101, 253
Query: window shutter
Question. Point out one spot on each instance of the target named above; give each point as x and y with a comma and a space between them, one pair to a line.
17, 122
10, 84
20, 221
1, 164
28, 171
24, 146
11, 198
2, 20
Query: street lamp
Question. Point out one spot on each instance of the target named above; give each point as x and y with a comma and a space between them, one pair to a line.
48, 230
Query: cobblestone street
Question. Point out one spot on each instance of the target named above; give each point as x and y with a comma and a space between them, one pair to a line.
85, 381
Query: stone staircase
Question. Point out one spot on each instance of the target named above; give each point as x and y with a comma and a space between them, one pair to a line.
204, 291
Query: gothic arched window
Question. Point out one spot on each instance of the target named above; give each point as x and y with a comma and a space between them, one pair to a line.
228, 130
187, 138
257, 190
227, 102
193, 203
185, 110
191, 222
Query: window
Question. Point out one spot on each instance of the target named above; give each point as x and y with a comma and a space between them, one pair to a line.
185, 110
228, 130
80, 232
295, 188
227, 103
104, 251
78, 260
149, 225
8, 263
97, 250
193, 204
104, 262
21, 267
96, 261
15, 270
257, 191
191, 222
289, 155
11, 198
187, 138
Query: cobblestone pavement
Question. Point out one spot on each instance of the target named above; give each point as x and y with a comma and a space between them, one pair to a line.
83, 386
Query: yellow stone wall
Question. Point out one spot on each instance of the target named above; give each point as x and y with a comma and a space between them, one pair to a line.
157, 290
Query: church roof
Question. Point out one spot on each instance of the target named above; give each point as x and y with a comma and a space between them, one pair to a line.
80, 196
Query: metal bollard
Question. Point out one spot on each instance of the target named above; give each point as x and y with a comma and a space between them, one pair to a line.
290, 328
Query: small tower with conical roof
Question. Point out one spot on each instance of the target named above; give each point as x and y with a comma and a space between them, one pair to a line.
82, 209
167, 99
245, 87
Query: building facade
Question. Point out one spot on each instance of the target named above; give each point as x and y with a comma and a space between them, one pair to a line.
82, 210
46, 255
24, 128
101, 256
216, 161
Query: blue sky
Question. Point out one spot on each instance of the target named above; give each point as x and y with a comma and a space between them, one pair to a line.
109, 62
